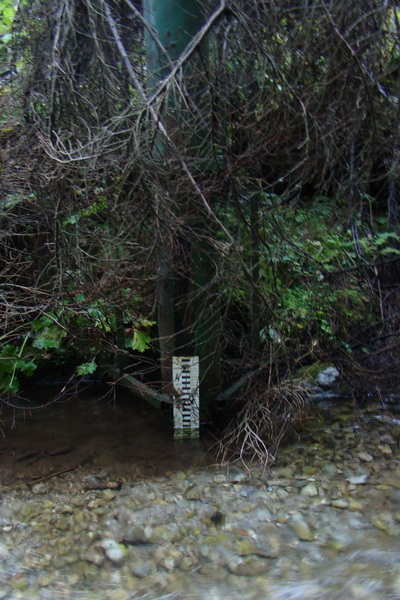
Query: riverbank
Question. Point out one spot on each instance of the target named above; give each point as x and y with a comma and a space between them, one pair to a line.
322, 524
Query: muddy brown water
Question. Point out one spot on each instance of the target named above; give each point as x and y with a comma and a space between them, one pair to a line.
330, 509
121, 435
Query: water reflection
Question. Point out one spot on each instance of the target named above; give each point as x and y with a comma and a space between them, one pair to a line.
123, 435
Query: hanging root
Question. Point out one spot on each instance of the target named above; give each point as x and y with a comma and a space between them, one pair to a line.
267, 418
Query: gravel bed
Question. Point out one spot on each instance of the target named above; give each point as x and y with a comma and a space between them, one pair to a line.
322, 524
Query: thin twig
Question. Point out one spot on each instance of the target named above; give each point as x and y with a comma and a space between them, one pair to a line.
61, 472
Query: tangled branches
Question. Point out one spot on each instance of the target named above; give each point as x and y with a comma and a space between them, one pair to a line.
267, 418
166, 193
284, 89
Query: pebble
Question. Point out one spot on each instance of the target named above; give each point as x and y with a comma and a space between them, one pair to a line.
326, 507
38, 488
358, 479
310, 490
113, 550
220, 478
302, 529
262, 514
195, 492
249, 567
340, 503
141, 568
365, 456
94, 555
137, 534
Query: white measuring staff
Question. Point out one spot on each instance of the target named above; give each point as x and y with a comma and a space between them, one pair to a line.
185, 374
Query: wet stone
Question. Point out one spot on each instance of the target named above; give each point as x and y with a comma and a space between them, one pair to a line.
141, 568
359, 479
249, 567
266, 550
340, 503
302, 529
137, 534
262, 514
355, 505
310, 490
329, 469
285, 472
39, 488
194, 493
113, 550
94, 555
365, 456
162, 534
216, 534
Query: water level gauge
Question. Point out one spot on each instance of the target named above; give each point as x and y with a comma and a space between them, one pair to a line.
185, 373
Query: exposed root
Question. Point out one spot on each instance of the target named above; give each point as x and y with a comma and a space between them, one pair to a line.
267, 418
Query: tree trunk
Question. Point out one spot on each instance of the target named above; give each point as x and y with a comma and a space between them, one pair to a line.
207, 325
255, 277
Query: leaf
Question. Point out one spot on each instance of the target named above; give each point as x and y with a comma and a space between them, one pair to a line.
86, 368
8, 356
49, 337
7, 366
26, 367
9, 384
9, 351
37, 324
86, 212
140, 341
146, 323
388, 251
389, 235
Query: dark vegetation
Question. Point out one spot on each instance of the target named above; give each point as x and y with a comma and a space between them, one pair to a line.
232, 193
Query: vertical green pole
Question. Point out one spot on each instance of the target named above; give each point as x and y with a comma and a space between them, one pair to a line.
185, 307
174, 22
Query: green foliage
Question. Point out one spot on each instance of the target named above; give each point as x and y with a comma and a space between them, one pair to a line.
379, 244
94, 208
61, 336
7, 12
276, 110
12, 200
45, 334
14, 361
87, 368
49, 333
309, 268
98, 314
140, 341
141, 337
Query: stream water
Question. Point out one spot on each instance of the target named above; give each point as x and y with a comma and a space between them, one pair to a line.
99, 502
122, 434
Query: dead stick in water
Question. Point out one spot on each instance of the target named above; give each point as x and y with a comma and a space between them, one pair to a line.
56, 473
